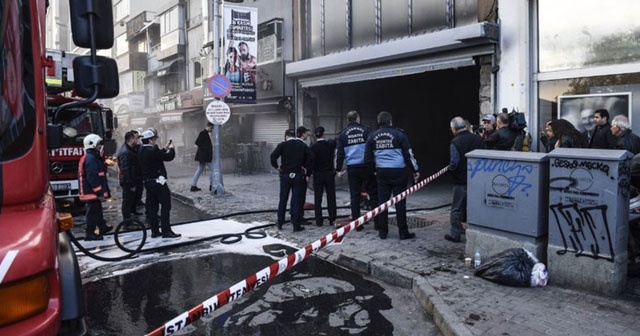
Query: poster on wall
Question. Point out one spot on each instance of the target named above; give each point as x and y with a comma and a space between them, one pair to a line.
240, 25
579, 109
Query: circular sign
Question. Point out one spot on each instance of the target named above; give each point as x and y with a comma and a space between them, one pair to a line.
218, 112
219, 86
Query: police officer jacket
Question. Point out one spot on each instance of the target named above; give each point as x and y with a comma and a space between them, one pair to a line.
351, 145
152, 159
92, 176
128, 166
294, 155
388, 147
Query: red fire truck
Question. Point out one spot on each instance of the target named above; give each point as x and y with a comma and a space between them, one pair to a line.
40, 285
76, 123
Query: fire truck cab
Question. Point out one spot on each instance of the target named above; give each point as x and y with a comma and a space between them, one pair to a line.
76, 123
40, 284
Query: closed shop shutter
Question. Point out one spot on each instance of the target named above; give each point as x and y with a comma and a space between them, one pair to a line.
270, 127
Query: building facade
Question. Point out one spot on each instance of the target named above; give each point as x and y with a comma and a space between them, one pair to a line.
428, 61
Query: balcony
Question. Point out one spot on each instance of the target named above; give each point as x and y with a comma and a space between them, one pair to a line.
132, 61
140, 23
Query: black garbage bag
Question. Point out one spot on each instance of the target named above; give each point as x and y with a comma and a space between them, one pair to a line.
510, 267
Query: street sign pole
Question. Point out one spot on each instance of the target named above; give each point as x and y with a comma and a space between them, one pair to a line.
218, 185
218, 113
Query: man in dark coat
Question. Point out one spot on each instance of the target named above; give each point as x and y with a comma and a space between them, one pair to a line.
154, 177
503, 138
324, 176
626, 139
204, 156
129, 174
463, 142
601, 136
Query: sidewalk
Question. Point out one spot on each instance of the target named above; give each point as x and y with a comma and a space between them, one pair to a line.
459, 302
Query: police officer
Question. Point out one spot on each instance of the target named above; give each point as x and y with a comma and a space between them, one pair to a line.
324, 175
94, 189
388, 147
350, 151
295, 163
154, 177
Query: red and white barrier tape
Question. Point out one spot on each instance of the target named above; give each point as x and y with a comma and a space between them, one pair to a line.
250, 283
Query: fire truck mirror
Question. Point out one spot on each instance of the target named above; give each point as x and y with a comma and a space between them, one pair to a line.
101, 13
109, 119
54, 136
101, 76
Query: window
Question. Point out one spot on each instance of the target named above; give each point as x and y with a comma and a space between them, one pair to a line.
583, 33
197, 74
121, 44
169, 21
121, 10
17, 101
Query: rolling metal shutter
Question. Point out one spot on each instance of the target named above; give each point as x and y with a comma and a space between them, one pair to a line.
270, 127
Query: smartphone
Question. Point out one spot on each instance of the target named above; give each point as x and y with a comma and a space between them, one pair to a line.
170, 141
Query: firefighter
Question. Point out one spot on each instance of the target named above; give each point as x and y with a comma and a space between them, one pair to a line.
94, 189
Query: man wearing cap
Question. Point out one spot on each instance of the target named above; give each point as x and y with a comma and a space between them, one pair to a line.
488, 125
350, 151
154, 177
503, 138
295, 161
324, 176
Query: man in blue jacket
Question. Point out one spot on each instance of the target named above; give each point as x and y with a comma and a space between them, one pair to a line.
389, 148
350, 151
94, 189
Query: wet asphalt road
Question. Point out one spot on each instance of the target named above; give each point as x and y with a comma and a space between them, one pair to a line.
314, 298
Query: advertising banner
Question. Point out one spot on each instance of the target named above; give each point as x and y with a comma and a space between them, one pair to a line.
240, 25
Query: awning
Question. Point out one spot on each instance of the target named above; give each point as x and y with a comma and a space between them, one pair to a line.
449, 48
263, 107
175, 116
137, 122
170, 68
393, 70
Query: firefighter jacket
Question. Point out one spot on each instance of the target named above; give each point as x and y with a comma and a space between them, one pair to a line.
92, 176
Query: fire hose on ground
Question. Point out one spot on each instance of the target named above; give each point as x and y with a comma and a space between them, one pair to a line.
263, 276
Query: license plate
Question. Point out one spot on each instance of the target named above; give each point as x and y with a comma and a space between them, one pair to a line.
61, 186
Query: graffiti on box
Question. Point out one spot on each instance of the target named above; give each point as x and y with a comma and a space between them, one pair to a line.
510, 179
578, 205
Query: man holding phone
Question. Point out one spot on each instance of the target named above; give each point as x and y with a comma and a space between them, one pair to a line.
154, 177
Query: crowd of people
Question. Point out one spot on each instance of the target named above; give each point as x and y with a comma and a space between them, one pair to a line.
379, 164
141, 166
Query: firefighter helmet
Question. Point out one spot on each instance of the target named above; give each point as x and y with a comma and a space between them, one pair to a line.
91, 141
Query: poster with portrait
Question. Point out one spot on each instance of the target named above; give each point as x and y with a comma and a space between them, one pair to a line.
578, 109
240, 52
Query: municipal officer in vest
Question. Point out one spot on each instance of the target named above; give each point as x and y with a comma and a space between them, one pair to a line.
463, 142
389, 148
94, 189
361, 176
154, 177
